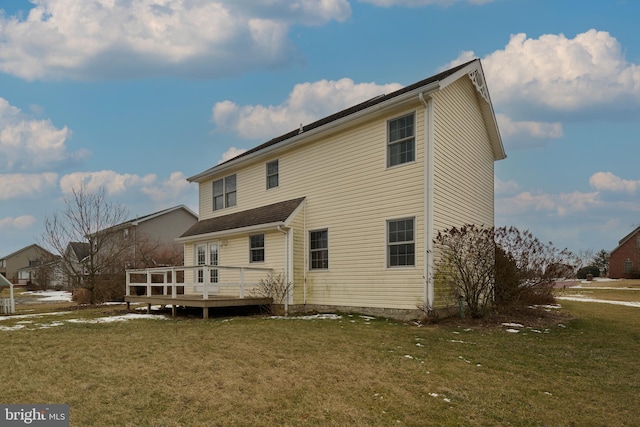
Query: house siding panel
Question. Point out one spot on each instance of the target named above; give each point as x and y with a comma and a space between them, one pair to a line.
341, 175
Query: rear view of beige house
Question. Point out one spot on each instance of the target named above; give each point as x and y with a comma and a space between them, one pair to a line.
346, 208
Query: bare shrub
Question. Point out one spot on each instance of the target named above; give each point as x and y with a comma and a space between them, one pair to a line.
273, 287
81, 296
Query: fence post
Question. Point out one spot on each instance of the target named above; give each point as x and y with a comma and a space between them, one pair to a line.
148, 283
127, 290
174, 282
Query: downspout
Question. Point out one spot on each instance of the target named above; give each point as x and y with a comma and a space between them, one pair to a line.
427, 101
286, 266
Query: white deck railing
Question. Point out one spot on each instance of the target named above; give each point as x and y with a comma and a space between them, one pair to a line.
204, 280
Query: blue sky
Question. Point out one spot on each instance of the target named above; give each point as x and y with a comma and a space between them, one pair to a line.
138, 95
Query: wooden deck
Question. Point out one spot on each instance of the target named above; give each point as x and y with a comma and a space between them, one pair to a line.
217, 301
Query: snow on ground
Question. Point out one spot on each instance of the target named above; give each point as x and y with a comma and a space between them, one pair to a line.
585, 299
327, 316
50, 296
61, 322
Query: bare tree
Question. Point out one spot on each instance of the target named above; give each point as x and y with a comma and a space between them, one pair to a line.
88, 217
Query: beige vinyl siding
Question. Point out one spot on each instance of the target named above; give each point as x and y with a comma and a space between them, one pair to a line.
299, 256
463, 162
463, 159
351, 192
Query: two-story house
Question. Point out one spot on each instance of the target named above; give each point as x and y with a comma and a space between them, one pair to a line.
346, 208
17, 266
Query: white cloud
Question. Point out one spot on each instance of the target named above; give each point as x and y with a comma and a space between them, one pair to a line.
19, 185
231, 153
107, 39
607, 181
19, 223
113, 182
562, 74
538, 132
170, 189
30, 144
307, 102
561, 204
505, 187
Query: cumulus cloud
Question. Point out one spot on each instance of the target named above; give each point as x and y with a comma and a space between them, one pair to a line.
19, 185
561, 204
18, 223
607, 181
30, 144
306, 103
112, 39
528, 132
561, 74
505, 187
231, 153
170, 189
113, 182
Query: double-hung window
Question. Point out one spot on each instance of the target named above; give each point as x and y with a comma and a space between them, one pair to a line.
272, 174
319, 249
401, 141
256, 248
401, 245
628, 266
224, 192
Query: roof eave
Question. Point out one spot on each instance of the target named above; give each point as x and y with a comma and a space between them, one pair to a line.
223, 233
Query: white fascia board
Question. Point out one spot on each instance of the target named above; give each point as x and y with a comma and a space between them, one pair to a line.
331, 126
234, 231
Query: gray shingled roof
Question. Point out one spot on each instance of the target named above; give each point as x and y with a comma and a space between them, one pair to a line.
277, 212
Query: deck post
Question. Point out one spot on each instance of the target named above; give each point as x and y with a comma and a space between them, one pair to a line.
148, 308
241, 282
148, 283
164, 280
205, 282
174, 292
205, 312
127, 289
173, 310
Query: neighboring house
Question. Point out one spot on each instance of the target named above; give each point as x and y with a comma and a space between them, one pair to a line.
346, 208
624, 260
153, 236
15, 266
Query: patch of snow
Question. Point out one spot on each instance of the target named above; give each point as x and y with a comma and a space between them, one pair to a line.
513, 331
30, 316
419, 345
605, 301
310, 317
11, 328
446, 399
513, 325
111, 319
367, 317
408, 356
433, 394
50, 296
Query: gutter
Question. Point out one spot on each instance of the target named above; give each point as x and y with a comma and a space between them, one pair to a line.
287, 263
427, 101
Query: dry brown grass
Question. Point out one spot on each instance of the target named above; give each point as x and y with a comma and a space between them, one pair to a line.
260, 371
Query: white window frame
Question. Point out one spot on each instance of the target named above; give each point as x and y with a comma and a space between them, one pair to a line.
257, 249
399, 141
317, 250
275, 175
226, 194
389, 244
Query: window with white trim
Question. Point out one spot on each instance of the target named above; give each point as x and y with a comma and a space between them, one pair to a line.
224, 192
401, 141
272, 174
319, 249
256, 248
401, 245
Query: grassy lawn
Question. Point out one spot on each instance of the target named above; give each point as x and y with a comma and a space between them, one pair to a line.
575, 371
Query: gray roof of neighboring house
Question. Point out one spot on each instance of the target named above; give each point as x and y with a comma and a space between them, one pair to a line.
148, 217
626, 238
277, 212
26, 248
80, 249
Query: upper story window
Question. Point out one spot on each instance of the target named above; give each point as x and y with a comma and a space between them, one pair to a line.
224, 192
272, 174
401, 247
401, 141
256, 248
